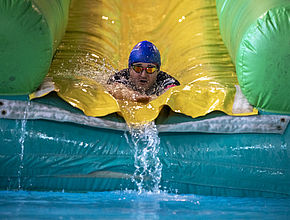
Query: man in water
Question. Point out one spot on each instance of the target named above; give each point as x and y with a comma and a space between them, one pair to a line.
142, 81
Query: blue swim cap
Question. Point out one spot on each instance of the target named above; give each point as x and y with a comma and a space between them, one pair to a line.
145, 52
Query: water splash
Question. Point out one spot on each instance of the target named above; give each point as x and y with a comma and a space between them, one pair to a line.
21, 143
83, 66
145, 141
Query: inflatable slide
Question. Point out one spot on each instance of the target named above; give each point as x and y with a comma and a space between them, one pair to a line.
223, 131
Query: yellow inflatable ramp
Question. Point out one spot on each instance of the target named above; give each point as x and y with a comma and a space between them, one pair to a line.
101, 34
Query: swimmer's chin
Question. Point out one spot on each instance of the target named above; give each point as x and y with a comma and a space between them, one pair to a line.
143, 85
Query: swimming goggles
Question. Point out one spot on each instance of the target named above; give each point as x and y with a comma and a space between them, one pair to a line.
149, 70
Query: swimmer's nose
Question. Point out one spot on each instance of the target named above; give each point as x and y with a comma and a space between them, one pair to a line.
143, 73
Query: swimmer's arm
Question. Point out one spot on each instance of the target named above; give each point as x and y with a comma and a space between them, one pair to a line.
121, 91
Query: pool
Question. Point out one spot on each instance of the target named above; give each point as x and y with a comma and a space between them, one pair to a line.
131, 205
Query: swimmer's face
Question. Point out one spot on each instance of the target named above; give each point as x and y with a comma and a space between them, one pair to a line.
143, 75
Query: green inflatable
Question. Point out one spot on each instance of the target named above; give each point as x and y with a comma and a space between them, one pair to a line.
257, 35
30, 31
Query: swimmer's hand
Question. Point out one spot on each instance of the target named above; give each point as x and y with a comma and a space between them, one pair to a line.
142, 98
120, 91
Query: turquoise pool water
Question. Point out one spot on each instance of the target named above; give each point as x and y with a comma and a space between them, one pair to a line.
131, 205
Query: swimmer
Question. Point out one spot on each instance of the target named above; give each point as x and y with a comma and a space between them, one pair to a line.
142, 81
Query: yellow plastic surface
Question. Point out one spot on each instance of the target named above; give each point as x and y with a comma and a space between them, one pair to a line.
101, 34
